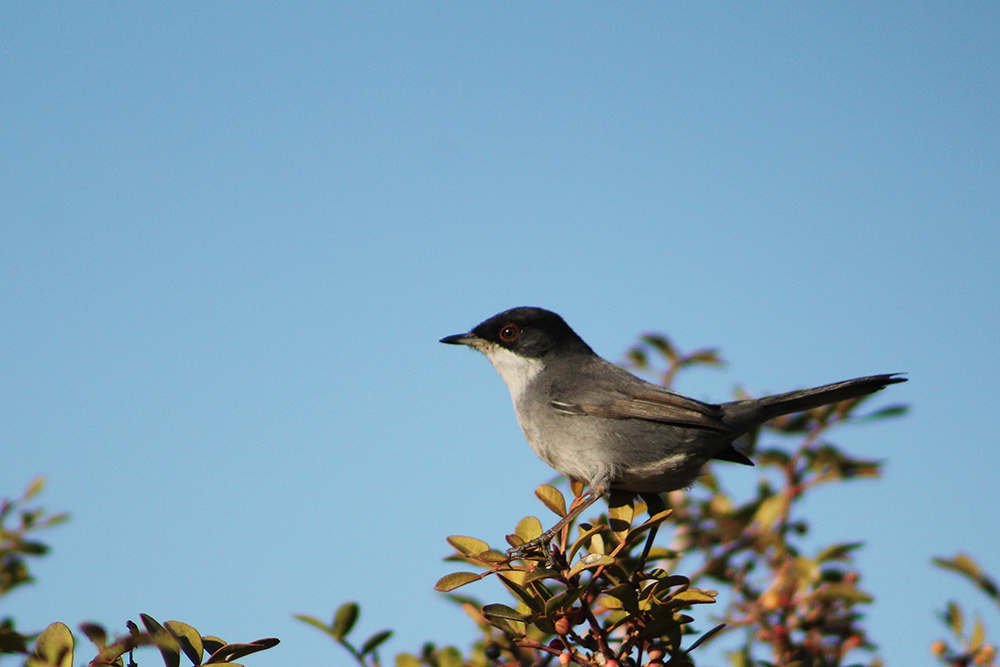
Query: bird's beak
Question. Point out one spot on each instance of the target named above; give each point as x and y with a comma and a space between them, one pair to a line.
470, 339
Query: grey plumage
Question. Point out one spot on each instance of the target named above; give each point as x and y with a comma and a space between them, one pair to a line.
597, 423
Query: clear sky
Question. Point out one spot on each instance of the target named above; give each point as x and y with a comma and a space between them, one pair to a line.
232, 233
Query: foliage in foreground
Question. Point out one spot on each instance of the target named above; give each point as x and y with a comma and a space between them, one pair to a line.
610, 595
55, 645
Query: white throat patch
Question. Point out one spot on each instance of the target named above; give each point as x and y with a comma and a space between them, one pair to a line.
516, 371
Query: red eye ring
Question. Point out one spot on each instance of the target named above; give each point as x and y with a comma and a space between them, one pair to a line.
509, 332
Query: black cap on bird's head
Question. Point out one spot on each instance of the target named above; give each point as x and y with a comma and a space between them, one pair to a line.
525, 331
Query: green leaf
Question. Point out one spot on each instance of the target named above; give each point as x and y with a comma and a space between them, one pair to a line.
563, 601
845, 592
626, 595
541, 573
344, 619
450, 656
54, 646
375, 641
961, 563
504, 612
838, 551
552, 498
953, 616
770, 511
309, 620
469, 546
887, 412
521, 593
407, 660
977, 636
450, 582
661, 344
705, 637
967, 567
695, 596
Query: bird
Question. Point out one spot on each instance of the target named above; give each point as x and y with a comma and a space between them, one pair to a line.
596, 423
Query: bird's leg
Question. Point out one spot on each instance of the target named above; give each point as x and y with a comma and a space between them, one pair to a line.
543, 541
654, 505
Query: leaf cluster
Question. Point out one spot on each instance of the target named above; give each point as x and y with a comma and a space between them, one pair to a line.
972, 647
609, 595
18, 523
343, 622
54, 647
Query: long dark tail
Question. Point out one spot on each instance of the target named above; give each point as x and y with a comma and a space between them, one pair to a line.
806, 399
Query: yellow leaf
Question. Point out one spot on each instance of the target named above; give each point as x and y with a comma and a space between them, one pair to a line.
695, 596
528, 528
469, 546
552, 498
589, 561
55, 646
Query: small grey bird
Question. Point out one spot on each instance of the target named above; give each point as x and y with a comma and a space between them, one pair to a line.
597, 423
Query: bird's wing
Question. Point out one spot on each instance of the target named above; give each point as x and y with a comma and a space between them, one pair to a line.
618, 394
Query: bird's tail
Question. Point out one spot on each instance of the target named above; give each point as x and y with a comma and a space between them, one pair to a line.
806, 399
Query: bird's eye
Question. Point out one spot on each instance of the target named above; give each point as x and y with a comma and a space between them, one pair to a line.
509, 333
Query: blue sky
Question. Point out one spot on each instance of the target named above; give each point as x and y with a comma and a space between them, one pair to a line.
231, 235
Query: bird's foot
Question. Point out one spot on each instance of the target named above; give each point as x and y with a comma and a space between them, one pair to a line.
540, 548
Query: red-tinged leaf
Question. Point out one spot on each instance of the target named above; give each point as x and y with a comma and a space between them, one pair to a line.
661, 344
450, 582
707, 356
96, 634
231, 652
34, 488
213, 643
541, 573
